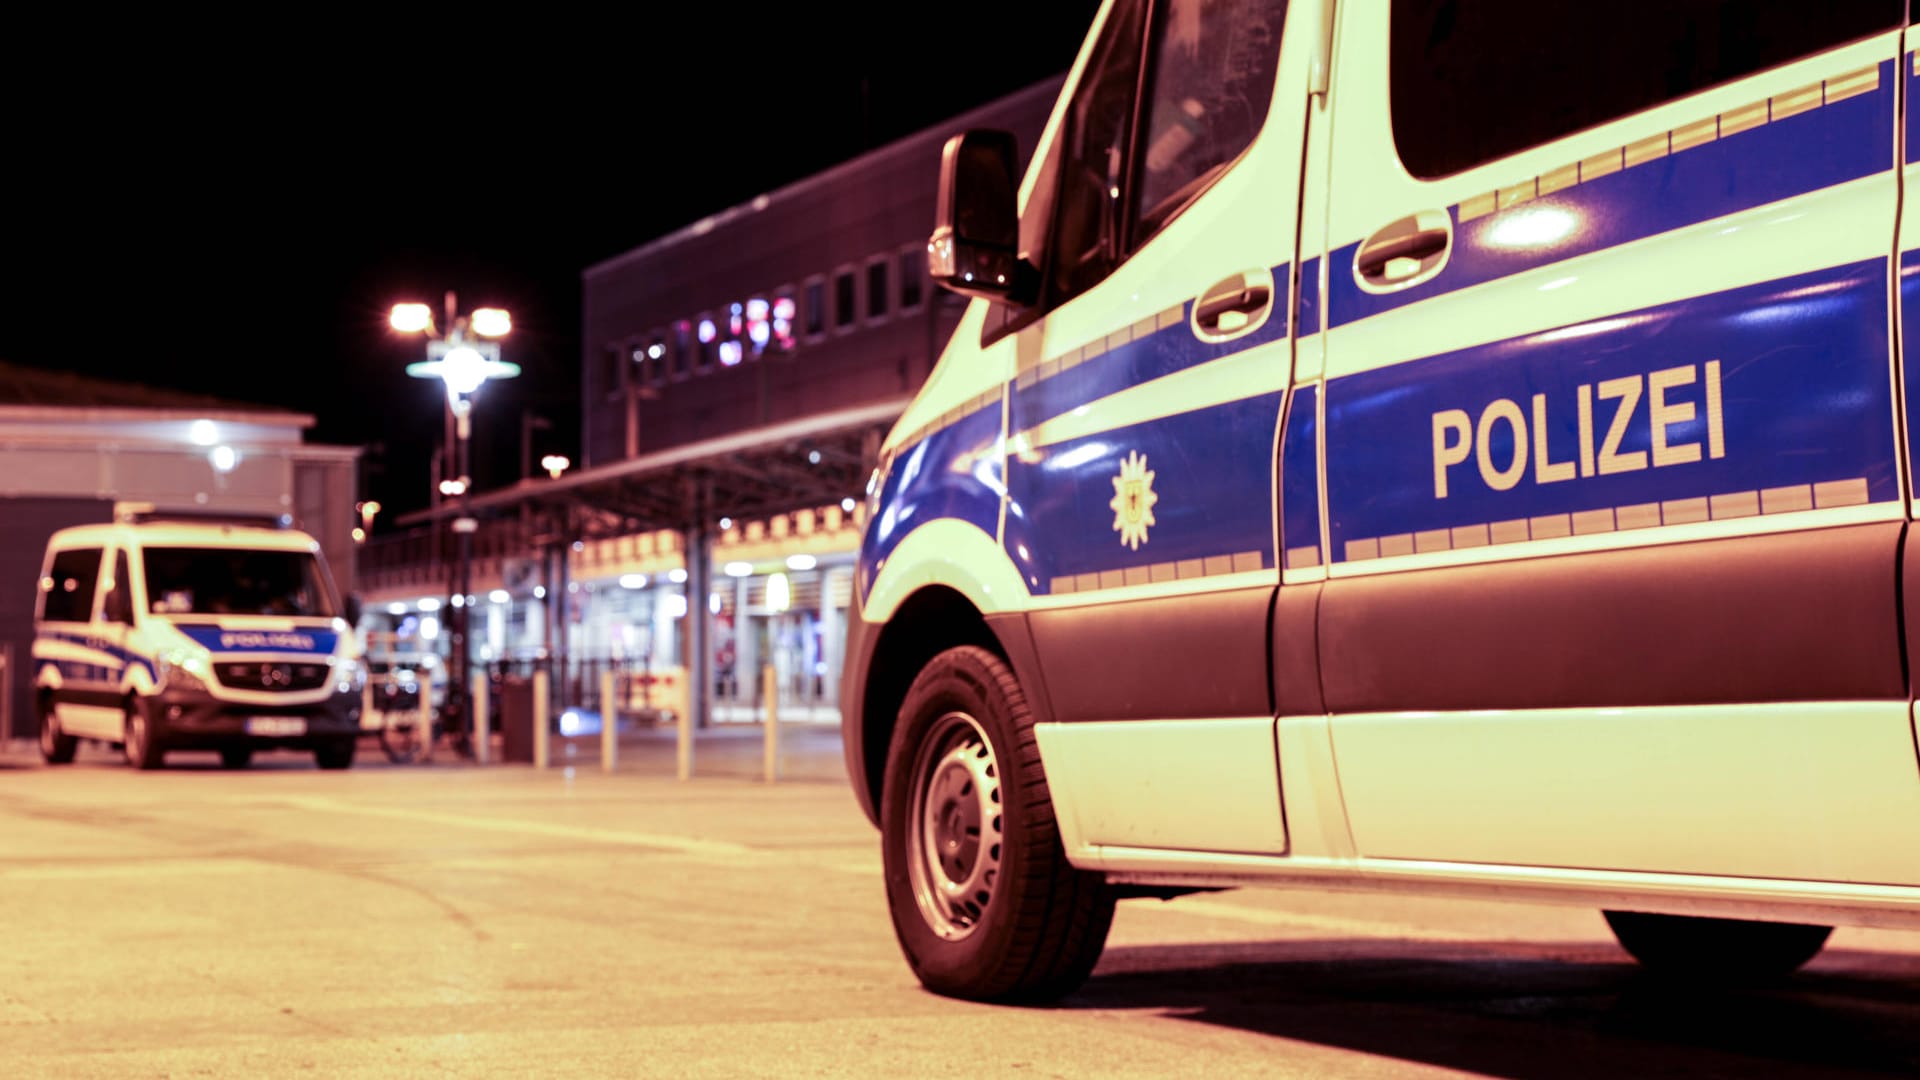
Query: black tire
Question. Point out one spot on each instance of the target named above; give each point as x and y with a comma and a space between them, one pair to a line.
1717, 950
56, 746
140, 739
236, 757
337, 754
984, 903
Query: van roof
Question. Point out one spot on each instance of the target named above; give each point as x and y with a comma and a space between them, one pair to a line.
183, 534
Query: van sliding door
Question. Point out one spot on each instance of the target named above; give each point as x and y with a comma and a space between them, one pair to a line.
1614, 488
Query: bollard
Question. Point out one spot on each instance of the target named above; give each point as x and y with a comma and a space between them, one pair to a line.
482, 734
609, 722
683, 715
541, 736
426, 714
770, 682
366, 703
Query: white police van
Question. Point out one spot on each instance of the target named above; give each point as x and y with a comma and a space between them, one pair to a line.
161, 635
1422, 445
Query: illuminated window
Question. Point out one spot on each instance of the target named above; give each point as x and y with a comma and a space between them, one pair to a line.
877, 289
759, 326
845, 302
784, 317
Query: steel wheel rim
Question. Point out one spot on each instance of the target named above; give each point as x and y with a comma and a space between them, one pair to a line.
49, 733
136, 735
954, 834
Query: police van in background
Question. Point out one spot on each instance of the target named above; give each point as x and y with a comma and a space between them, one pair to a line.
1427, 446
161, 634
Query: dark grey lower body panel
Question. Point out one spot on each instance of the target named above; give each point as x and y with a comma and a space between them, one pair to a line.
1804, 616
1164, 658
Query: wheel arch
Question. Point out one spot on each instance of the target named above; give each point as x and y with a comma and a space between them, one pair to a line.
929, 621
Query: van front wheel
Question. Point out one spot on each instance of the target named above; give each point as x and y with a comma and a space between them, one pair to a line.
984, 902
141, 743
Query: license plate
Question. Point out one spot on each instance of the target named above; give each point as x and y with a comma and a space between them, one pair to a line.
276, 725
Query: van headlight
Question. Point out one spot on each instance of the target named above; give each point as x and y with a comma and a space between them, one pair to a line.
349, 675
177, 669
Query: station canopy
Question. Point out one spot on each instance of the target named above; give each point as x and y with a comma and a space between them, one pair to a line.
815, 461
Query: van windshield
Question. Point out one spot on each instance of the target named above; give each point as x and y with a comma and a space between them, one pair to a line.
227, 581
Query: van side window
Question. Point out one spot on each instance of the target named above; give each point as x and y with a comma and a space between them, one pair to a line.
67, 590
1211, 78
1473, 81
1083, 246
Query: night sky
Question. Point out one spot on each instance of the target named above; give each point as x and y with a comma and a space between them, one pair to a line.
232, 210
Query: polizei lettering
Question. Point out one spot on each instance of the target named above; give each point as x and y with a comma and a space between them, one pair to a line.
1604, 413
252, 639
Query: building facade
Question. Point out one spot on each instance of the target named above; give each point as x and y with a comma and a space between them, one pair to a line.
736, 376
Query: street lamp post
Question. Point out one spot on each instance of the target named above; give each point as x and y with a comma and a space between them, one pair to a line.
462, 356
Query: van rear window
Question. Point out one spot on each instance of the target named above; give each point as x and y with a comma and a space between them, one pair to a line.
226, 581
1475, 80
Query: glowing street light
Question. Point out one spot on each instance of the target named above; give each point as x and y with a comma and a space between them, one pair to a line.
463, 359
491, 322
555, 464
411, 318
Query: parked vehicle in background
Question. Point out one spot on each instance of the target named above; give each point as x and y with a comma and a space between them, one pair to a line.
1428, 446
159, 634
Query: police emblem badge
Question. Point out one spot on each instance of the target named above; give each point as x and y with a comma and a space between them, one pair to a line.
1133, 499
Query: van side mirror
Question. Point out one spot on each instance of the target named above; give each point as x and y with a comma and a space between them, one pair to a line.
354, 608
117, 606
975, 247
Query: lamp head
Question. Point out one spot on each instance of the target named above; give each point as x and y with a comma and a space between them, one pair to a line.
411, 318
491, 322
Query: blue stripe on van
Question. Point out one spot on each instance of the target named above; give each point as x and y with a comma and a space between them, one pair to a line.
1300, 467
1166, 351
1213, 478
952, 473
74, 669
1829, 145
1803, 366
220, 641
1909, 313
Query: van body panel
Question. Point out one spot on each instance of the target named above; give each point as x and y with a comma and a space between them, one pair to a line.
1196, 655
1624, 789
1550, 536
1683, 624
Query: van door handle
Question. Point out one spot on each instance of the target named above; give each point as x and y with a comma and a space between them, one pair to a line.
1231, 305
1405, 249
